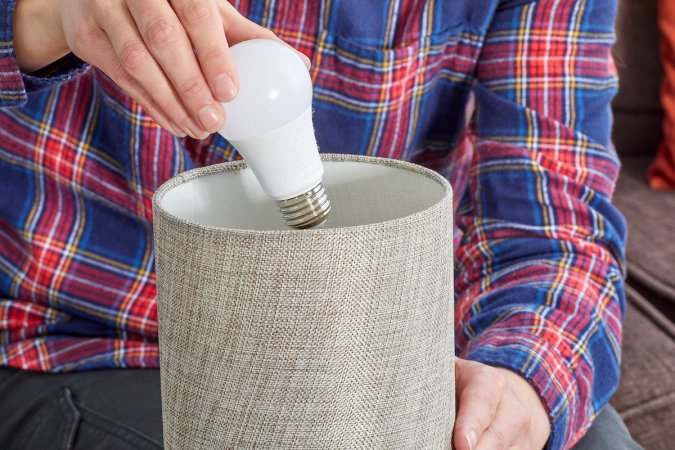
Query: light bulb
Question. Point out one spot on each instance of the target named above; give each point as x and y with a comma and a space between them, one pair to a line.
269, 122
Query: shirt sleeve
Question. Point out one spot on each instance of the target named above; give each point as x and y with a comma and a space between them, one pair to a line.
15, 85
540, 267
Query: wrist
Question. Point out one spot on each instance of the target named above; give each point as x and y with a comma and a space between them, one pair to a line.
38, 36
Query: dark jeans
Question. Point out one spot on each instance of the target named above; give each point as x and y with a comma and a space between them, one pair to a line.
121, 409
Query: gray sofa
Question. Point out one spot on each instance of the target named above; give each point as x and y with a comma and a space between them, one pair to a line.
646, 396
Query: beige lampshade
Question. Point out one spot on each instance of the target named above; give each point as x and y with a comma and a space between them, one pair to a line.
337, 338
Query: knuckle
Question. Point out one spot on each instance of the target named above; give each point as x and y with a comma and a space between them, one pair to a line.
498, 438
266, 33
477, 397
492, 378
79, 35
77, 46
100, 5
120, 76
190, 87
213, 54
498, 379
196, 12
485, 371
474, 397
240, 24
173, 107
168, 104
182, 121
96, 6
81, 38
524, 421
133, 55
160, 33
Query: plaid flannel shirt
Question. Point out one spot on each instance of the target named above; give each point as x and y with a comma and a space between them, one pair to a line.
539, 246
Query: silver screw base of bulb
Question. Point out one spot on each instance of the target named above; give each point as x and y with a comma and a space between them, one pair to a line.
306, 210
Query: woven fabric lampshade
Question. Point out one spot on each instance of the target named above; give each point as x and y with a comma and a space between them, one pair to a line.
339, 337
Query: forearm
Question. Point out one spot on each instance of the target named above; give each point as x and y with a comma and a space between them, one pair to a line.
559, 328
540, 269
540, 283
38, 39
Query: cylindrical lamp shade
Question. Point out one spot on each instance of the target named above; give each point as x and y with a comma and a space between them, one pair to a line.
338, 338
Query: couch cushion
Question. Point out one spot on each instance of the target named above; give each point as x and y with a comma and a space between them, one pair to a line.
646, 397
651, 231
662, 171
637, 108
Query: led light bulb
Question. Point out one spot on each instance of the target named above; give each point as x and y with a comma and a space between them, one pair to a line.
270, 123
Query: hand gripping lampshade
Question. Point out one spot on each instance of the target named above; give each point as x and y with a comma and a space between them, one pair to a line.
270, 123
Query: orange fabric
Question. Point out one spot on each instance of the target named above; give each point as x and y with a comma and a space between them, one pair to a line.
662, 170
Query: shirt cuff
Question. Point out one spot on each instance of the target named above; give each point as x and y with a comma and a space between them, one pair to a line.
544, 367
15, 85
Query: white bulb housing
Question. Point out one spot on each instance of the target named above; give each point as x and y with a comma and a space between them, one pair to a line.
269, 122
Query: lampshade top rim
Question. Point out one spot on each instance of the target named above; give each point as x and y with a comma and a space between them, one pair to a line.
445, 201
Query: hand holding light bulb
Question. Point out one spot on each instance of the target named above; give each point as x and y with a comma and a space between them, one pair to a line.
270, 123
138, 43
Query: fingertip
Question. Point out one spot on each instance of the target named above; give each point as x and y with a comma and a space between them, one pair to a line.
305, 59
195, 131
461, 430
464, 440
225, 87
211, 118
471, 439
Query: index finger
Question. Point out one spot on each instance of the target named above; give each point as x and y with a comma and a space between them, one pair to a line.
170, 46
204, 26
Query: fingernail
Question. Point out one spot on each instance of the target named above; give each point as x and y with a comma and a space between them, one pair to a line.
225, 87
471, 439
194, 130
305, 59
209, 118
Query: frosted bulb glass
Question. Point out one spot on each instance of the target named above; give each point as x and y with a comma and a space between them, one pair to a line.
270, 123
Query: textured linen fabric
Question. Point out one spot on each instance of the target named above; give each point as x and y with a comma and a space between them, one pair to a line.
539, 247
327, 338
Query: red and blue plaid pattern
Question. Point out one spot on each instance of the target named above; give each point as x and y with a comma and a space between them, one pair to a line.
539, 246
